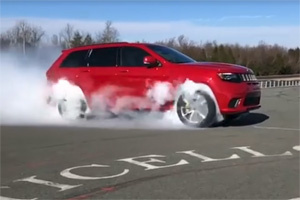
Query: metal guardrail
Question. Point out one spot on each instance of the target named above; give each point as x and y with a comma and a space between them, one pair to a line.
278, 83
289, 80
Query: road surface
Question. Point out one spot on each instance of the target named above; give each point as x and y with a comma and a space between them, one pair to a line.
256, 157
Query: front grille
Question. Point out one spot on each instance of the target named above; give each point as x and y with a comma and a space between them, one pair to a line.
251, 100
247, 77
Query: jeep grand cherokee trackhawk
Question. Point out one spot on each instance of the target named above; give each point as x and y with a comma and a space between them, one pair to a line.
130, 71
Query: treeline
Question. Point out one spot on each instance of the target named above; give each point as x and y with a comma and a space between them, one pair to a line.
26, 37
264, 59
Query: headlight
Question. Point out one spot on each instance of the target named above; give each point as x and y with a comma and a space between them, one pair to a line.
230, 77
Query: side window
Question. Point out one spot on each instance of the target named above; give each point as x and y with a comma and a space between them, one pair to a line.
103, 57
75, 59
133, 56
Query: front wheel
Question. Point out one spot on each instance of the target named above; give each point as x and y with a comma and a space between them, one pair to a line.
197, 110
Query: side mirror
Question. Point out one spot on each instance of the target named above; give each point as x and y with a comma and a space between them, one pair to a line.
149, 61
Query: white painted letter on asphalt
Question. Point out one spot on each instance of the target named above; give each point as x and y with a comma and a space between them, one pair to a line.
297, 148
152, 160
68, 174
32, 179
258, 154
207, 159
8, 198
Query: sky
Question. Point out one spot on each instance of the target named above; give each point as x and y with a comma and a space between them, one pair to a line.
243, 22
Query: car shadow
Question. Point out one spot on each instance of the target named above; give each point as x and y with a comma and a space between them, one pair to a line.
245, 120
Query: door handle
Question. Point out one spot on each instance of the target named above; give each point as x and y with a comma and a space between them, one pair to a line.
124, 71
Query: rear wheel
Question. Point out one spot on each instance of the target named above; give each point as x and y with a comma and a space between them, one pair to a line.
72, 109
197, 110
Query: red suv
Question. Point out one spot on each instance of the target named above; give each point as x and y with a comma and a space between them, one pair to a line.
138, 76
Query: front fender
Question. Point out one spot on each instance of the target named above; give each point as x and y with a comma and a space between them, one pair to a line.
190, 87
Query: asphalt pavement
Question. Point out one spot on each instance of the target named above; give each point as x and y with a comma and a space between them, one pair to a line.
255, 157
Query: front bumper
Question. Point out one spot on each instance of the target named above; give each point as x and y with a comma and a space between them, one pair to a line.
246, 102
236, 98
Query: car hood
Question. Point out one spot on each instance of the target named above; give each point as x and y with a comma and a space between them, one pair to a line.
220, 67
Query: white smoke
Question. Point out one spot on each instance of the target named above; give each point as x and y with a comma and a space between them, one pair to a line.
158, 95
161, 92
24, 92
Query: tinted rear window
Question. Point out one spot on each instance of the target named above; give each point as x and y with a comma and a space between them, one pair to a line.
75, 59
103, 57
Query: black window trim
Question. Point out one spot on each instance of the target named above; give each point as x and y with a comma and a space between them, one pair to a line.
85, 59
91, 51
121, 54
88, 57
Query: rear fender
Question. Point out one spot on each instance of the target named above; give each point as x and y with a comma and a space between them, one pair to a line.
63, 89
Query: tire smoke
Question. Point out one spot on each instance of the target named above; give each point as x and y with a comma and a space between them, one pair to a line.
24, 92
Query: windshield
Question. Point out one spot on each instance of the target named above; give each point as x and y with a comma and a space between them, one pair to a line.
170, 54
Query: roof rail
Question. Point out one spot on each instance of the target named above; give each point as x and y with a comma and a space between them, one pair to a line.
114, 43
96, 44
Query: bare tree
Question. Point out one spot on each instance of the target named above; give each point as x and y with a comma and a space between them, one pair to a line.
182, 41
54, 39
171, 42
67, 34
88, 40
109, 34
36, 35
23, 34
263, 58
4, 41
77, 40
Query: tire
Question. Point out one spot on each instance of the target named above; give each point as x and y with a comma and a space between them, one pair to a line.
72, 110
209, 110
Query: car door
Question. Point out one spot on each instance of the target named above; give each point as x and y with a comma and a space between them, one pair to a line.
72, 67
134, 76
102, 79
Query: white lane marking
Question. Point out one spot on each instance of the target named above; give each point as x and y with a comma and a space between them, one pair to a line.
4, 187
297, 198
277, 128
